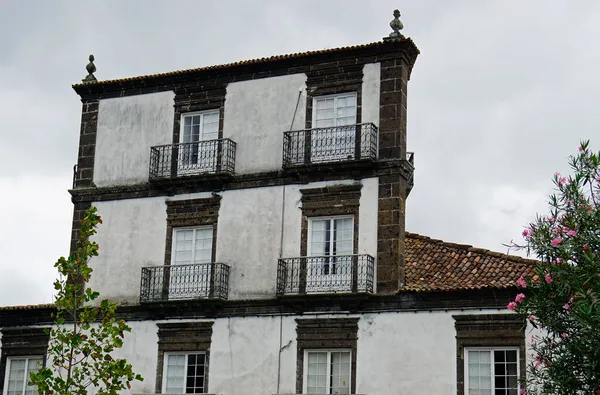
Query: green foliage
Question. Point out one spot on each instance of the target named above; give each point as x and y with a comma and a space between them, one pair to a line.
561, 299
83, 338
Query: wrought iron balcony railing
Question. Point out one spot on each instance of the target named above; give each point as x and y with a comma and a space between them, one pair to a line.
333, 144
186, 159
325, 274
184, 282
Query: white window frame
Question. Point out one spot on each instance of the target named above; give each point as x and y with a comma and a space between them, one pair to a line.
190, 114
334, 96
328, 351
492, 369
330, 218
186, 353
174, 242
7, 369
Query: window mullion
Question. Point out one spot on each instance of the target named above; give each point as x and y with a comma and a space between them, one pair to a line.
329, 372
193, 246
185, 370
493, 371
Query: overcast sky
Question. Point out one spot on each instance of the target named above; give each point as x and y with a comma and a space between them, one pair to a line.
501, 94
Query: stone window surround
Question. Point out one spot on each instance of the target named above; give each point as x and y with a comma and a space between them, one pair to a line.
23, 342
191, 213
326, 334
327, 202
183, 337
487, 331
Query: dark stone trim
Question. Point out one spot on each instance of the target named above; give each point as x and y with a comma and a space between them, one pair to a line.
183, 336
297, 304
193, 212
391, 208
193, 80
87, 145
301, 175
326, 333
487, 330
21, 342
79, 210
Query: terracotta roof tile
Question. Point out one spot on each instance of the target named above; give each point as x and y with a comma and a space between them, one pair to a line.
435, 265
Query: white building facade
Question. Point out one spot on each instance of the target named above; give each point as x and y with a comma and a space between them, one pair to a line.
253, 236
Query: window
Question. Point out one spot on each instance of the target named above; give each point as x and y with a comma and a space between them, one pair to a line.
327, 371
330, 248
334, 117
198, 153
192, 245
334, 110
17, 375
185, 373
491, 371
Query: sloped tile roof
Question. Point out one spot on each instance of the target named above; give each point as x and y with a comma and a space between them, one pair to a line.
435, 265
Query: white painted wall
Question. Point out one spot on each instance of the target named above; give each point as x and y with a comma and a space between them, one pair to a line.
257, 112
370, 93
127, 128
132, 235
248, 237
397, 353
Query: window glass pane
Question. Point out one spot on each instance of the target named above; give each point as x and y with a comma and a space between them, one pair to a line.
203, 245
479, 379
184, 242
316, 376
340, 372
210, 125
175, 374
320, 237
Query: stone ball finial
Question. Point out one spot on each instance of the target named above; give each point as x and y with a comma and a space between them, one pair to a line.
396, 25
91, 69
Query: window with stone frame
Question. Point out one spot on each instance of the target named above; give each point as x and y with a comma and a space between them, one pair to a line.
326, 355
183, 357
490, 354
23, 351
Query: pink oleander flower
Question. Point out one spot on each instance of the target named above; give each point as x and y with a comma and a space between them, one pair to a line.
564, 335
571, 233
521, 282
580, 148
523, 392
550, 345
512, 306
532, 319
586, 246
559, 260
526, 232
555, 242
519, 298
567, 306
548, 278
562, 180
551, 218
571, 299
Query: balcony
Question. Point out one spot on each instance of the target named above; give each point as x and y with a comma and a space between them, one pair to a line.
333, 144
325, 274
191, 159
184, 282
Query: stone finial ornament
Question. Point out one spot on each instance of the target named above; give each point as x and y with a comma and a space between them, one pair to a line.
91, 69
396, 25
